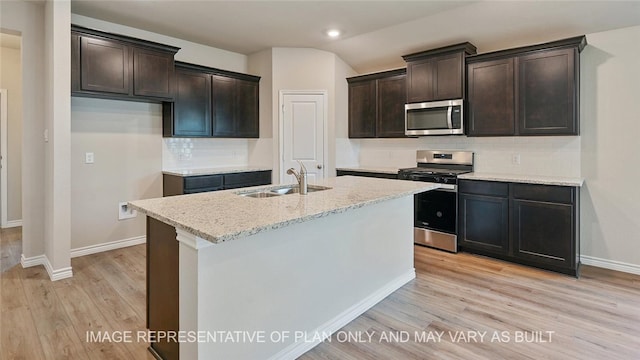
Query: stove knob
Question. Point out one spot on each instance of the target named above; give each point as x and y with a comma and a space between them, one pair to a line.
437, 179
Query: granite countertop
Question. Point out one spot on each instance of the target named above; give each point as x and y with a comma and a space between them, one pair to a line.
214, 171
224, 215
372, 169
527, 179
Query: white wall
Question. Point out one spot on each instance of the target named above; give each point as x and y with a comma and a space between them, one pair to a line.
308, 69
610, 126
341, 147
27, 18
11, 79
126, 140
57, 148
261, 150
189, 153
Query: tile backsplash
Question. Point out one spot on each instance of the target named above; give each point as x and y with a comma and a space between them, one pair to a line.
540, 155
182, 153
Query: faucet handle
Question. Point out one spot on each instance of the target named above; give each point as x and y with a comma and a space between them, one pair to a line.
303, 169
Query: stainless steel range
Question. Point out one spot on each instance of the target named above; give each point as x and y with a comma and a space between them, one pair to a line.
435, 212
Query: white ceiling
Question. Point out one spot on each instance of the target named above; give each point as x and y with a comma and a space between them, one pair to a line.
375, 33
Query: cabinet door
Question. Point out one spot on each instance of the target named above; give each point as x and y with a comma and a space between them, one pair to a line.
547, 96
543, 232
362, 109
192, 106
420, 81
163, 284
447, 81
491, 109
104, 66
392, 93
247, 109
223, 94
153, 73
483, 223
75, 62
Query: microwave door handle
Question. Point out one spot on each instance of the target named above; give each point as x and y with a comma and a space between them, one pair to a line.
449, 122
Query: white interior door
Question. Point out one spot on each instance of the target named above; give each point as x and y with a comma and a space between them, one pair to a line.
303, 134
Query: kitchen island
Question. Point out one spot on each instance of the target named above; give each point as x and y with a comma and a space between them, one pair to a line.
272, 277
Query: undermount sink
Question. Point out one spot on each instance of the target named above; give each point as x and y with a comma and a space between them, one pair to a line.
296, 189
293, 189
260, 194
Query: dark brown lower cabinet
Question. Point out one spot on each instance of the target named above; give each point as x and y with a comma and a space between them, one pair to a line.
531, 224
180, 185
163, 311
484, 223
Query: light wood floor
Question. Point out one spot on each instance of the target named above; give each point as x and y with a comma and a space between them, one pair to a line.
594, 317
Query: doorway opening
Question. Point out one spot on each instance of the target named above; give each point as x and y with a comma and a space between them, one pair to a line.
10, 130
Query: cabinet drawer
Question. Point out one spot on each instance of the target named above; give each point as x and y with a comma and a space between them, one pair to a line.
232, 181
206, 181
547, 193
490, 188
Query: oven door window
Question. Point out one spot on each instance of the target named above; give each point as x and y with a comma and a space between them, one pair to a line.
428, 119
436, 210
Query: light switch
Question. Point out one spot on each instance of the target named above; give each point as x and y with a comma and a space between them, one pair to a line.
88, 158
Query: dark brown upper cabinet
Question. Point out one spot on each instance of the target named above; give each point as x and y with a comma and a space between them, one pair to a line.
437, 74
192, 106
532, 90
212, 103
491, 98
376, 104
104, 65
153, 73
111, 66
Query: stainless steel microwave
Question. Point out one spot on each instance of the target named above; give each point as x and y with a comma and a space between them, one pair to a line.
434, 118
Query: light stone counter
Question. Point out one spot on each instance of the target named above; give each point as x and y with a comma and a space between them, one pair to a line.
527, 179
224, 215
214, 171
372, 169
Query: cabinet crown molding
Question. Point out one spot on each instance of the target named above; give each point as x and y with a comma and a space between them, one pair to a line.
124, 38
467, 47
214, 71
578, 42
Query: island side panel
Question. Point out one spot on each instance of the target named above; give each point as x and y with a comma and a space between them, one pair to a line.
162, 285
314, 276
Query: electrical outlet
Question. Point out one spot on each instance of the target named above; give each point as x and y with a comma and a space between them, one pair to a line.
126, 212
515, 159
88, 158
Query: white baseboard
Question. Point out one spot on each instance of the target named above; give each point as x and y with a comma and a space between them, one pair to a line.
12, 223
296, 349
54, 275
94, 249
27, 262
610, 264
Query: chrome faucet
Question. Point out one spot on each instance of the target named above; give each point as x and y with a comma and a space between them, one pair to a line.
301, 177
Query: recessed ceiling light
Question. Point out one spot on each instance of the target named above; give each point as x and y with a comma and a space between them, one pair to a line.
333, 33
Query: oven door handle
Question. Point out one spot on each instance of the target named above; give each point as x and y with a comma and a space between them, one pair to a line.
447, 188
449, 121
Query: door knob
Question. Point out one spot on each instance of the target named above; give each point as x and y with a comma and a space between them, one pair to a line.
319, 166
